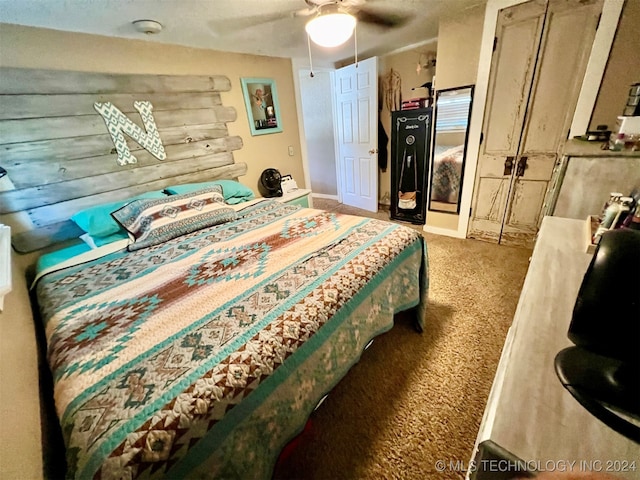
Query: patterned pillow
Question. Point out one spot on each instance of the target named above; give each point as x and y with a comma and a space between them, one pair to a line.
154, 221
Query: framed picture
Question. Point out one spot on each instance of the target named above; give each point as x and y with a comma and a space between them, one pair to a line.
263, 109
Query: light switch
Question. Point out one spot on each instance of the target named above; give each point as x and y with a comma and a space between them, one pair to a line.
291, 150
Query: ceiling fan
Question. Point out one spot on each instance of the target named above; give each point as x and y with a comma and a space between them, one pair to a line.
356, 8
360, 10
335, 20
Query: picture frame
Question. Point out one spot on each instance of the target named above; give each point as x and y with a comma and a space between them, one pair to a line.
263, 108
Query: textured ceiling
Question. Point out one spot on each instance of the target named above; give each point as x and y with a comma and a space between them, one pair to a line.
263, 27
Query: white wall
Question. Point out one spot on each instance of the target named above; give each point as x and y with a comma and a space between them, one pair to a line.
459, 39
27, 47
623, 68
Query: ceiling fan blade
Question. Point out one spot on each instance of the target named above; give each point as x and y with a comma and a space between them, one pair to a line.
385, 20
227, 26
305, 12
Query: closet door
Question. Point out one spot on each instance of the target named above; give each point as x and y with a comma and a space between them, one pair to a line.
541, 54
518, 34
568, 34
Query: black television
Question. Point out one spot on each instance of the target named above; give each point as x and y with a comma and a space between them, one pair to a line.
602, 369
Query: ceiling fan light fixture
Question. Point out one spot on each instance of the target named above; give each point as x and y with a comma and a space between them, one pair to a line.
331, 29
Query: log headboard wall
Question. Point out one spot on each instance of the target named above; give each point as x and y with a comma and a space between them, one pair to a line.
60, 157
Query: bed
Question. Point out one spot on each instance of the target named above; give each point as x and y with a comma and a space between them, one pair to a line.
202, 354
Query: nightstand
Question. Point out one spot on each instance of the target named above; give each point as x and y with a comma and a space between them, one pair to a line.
300, 197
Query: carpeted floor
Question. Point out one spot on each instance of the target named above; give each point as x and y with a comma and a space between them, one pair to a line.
415, 398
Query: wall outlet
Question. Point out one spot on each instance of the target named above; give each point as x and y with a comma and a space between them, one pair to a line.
291, 150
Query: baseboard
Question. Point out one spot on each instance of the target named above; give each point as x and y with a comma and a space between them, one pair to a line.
443, 231
324, 195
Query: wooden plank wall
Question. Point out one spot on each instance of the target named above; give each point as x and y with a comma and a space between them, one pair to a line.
60, 157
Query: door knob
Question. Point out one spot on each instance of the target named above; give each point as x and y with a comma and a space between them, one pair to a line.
508, 166
522, 165
372, 151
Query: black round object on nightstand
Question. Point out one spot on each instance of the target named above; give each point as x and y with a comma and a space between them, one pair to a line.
269, 185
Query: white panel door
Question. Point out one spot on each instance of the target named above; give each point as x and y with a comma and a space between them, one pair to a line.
541, 53
570, 28
518, 33
357, 120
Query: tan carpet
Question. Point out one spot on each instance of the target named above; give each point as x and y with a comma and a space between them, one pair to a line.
417, 398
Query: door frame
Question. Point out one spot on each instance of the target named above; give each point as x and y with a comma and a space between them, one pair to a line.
603, 40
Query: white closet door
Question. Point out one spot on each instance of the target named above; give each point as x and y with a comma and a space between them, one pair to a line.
567, 38
518, 33
541, 54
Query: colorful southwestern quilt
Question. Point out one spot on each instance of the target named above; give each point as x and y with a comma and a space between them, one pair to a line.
204, 355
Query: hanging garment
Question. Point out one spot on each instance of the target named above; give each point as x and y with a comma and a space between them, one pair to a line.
383, 140
408, 184
391, 88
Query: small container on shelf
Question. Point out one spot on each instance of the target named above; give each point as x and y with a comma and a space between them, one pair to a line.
616, 142
590, 227
614, 216
613, 197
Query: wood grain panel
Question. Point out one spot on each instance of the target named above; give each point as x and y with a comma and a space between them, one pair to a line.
57, 149
50, 214
17, 81
60, 157
38, 106
51, 171
26, 198
571, 28
33, 129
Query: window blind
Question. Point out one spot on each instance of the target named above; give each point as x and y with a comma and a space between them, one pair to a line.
453, 111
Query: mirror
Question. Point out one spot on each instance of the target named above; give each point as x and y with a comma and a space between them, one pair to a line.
452, 113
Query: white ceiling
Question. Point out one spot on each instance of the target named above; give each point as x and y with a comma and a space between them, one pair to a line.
262, 27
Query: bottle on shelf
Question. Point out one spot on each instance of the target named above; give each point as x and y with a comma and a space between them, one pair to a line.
613, 197
616, 142
608, 219
626, 204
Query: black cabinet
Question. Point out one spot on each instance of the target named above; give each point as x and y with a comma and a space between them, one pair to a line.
410, 144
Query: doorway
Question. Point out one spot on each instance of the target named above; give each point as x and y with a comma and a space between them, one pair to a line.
339, 113
316, 98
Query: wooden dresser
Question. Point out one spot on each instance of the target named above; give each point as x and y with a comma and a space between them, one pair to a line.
585, 175
529, 414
